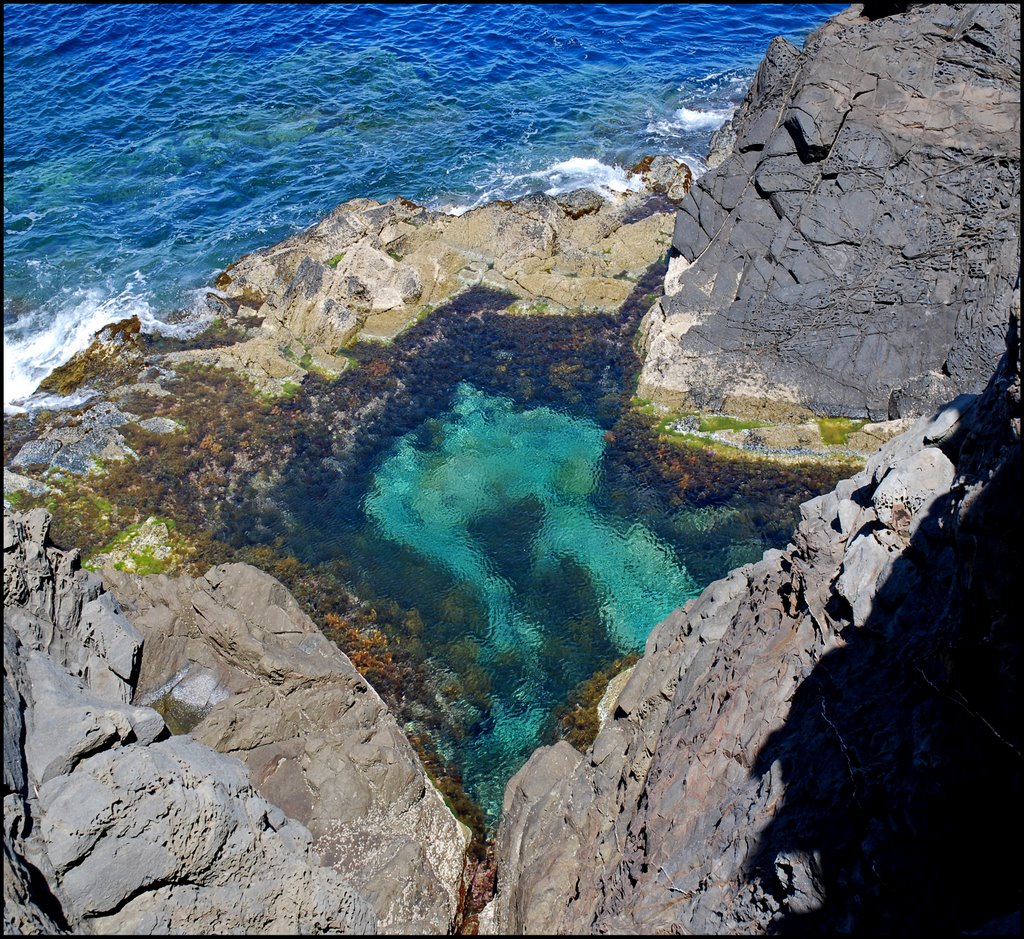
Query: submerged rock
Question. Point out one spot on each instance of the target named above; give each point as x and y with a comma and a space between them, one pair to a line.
854, 251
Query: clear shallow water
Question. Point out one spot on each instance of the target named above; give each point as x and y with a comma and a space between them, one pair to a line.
147, 149
515, 530
500, 504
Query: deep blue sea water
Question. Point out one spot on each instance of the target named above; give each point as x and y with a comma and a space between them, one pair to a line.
146, 147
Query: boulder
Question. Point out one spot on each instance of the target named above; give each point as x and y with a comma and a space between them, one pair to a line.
855, 243
232, 659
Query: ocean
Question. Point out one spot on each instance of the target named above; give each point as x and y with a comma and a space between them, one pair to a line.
146, 147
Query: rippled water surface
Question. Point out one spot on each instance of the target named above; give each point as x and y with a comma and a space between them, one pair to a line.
501, 506
487, 490
146, 147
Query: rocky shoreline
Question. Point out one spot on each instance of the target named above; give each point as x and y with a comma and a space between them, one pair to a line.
799, 748
854, 250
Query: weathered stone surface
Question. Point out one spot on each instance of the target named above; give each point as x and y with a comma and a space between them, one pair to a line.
370, 269
160, 425
215, 856
232, 658
854, 252
76, 443
115, 352
16, 482
110, 825
59, 609
801, 747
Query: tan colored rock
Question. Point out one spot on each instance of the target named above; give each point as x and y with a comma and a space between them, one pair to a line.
369, 269
367, 276
665, 174
871, 436
805, 436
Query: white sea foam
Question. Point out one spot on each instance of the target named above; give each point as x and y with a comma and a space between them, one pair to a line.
563, 176
702, 119
587, 173
35, 347
48, 337
691, 119
41, 401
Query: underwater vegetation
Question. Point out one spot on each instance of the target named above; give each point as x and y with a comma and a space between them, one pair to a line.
475, 514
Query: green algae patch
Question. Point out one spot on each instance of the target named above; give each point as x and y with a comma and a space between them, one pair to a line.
707, 424
179, 716
82, 516
530, 308
711, 423
150, 547
836, 431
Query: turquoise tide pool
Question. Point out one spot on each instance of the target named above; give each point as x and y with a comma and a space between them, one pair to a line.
499, 502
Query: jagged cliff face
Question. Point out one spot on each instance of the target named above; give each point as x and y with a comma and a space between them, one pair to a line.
824, 740
294, 805
111, 824
855, 252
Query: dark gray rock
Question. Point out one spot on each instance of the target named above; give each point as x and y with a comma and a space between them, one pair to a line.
854, 250
78, 443
579, 202
821, 742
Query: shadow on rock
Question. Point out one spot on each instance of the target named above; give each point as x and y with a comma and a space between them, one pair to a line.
901, 754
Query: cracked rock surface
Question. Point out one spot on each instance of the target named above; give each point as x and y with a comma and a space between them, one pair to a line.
232, 657
855, 251
822, 740
110, 824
